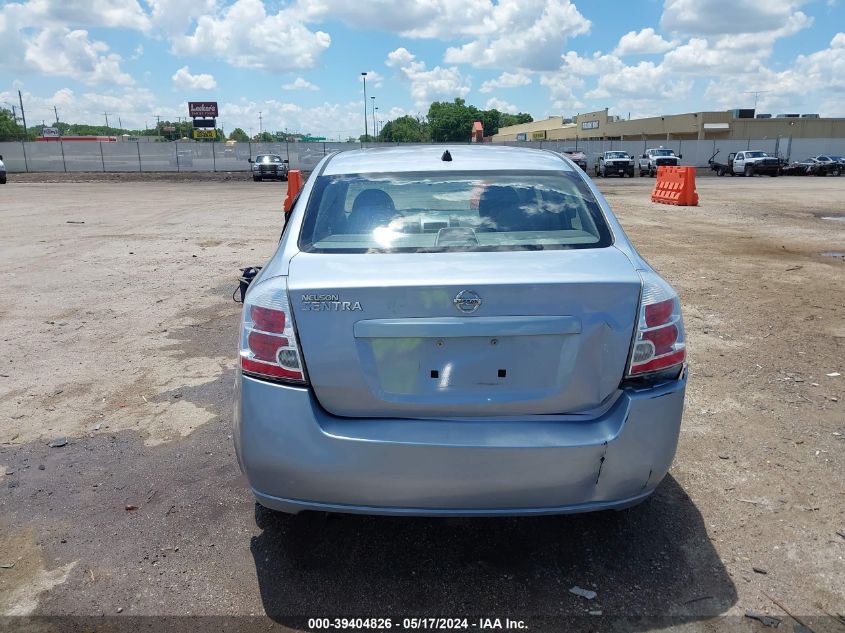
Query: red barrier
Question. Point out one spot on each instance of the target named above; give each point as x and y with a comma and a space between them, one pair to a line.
675, 185
294, 187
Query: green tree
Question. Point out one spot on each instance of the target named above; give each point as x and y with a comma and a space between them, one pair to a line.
238, 135
515, 119
265, 137
451, 122
9, 128
405, 129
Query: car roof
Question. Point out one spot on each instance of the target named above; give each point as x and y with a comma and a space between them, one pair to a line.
428, 158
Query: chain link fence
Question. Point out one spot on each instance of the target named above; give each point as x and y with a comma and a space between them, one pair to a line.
123, 156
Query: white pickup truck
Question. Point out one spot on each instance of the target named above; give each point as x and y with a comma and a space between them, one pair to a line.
658, 157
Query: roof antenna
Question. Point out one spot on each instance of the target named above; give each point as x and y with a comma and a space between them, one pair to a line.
447, 157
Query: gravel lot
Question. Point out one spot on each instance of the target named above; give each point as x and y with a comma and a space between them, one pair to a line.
118, 334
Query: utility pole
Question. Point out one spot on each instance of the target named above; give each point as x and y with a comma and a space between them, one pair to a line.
56, 110
756, 94
374, 114
364, 75
23, 114
259, 124
119, 123
107, 122
158, 125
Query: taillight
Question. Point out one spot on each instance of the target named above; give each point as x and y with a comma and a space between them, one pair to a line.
268, 341
660, 342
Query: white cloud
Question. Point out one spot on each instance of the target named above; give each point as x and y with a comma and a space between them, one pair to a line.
300, 84
138, 52
62, 52
562, 90
174, 17
506, 80
183, 78
80, 13
646, 80
245, 35
437, 84
597, 64
522, 34
501, 106
643, 42
721, 17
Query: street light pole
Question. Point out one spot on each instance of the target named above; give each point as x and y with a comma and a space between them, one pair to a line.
374, 114
364, 75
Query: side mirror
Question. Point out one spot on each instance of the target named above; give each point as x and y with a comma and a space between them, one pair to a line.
285, 160
645, 156
250, 160
1, 156
680, 155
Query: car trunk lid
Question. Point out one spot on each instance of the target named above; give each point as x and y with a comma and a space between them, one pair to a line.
464, 334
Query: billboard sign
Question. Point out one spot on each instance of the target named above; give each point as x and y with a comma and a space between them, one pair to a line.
198, 134
200, 109
168, 128
50, 132
205, 123
590, 125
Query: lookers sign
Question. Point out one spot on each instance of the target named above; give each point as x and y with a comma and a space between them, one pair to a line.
201, 109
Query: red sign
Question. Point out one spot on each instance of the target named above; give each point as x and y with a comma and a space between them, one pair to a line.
200, 109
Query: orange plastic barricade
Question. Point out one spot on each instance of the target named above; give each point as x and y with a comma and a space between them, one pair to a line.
675, 185
294, 186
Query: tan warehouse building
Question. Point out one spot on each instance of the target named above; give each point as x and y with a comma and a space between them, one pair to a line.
732, 124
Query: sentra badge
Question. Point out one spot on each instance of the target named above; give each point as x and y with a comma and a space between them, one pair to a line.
328, 303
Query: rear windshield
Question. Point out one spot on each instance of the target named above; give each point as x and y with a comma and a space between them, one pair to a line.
437, 212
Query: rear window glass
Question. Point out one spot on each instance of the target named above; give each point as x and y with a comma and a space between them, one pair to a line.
436, 212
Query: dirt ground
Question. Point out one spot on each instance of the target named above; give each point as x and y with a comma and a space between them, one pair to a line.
118, 338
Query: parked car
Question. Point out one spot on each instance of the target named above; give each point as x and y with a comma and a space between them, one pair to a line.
270, 166
834, 165
615, 163
657, 157
747, 163
2, 171
407, 352
182, 158
576, 156
806, 167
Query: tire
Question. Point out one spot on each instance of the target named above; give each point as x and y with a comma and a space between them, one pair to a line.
749, 171
720, 171
652, 174
598, 173
836, 172
2, 180
256, 178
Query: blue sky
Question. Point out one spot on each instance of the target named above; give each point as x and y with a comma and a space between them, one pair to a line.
298, 62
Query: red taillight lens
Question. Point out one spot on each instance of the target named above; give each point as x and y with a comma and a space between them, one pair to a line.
660, 341
268, 320
268, 341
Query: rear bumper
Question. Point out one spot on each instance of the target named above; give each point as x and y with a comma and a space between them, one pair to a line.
298, 457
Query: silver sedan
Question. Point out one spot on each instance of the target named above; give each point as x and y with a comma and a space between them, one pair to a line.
457, 331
